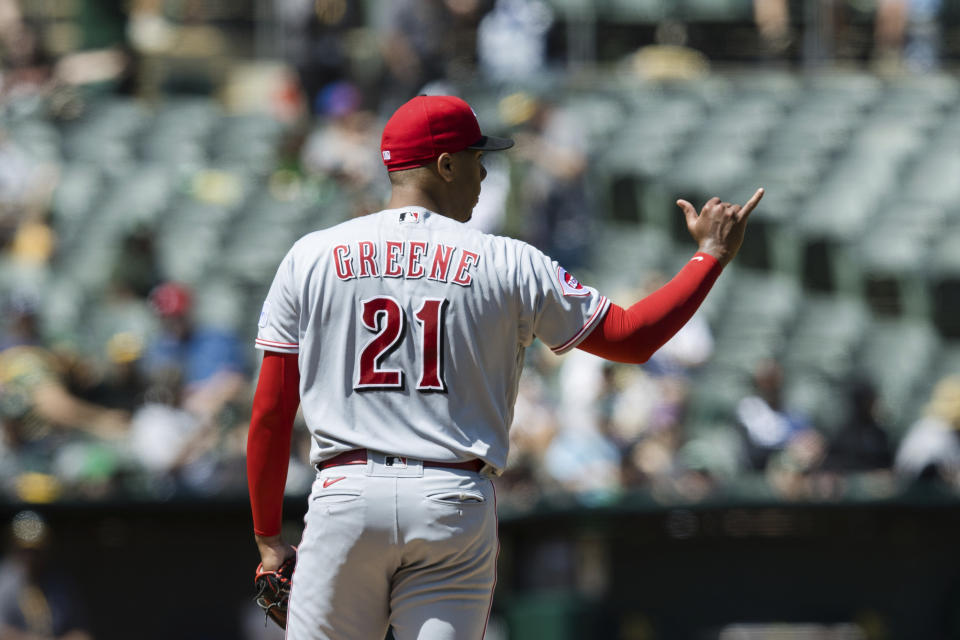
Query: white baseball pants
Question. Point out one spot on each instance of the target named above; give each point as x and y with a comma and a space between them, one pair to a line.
394, 543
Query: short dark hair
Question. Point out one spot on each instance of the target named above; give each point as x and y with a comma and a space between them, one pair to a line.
406, 177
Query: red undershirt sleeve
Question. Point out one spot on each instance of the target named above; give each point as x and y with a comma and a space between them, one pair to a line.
633, 335
275, 404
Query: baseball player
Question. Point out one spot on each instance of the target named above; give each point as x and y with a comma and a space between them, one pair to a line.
402, 335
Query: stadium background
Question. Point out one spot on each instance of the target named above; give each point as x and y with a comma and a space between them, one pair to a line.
755, 480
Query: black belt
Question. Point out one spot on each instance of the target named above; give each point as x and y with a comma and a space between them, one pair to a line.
359, 456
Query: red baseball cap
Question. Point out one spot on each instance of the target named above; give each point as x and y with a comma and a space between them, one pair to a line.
423, 128
171, 299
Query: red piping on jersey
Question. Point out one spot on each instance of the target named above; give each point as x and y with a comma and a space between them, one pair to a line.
634, 335
275, 343
601, 308
275, 405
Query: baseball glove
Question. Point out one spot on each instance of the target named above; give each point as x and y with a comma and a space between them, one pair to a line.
273, 590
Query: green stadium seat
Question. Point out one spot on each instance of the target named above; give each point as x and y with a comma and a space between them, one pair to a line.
39, 140
944, 283
891, 137
104, 319
62, 304
754, 321
629, 250
933, 179
220, 303
898, 354
599, 115
893, 261
853, 87
697, 172
114, 154
819, 399
939, 89
717, 449
89, 264
714, 397
717, 10
783, 87
116, 116
77, 191
574, 9
637, 11
827, 337
195, 115
642, 152
140, 198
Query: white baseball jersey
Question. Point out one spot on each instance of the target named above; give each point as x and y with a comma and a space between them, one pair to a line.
411, 329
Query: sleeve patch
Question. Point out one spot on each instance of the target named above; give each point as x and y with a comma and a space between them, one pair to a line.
570, 285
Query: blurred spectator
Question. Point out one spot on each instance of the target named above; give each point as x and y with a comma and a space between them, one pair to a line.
559, 216
862, 443
210, 360
340, 147
315, 39
512, 40
26, 66
583, 457
533, 428
583, 461
907, 33
36, 402
26, 185
36, 601
931, 448
136, 271
792, 471
641, 405
163, 436
490, 213
122, 384
21, 321
30, 70
768, 426
773, 24
182, 452
427, 40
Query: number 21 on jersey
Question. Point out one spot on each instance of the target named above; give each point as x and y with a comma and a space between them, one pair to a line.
384, 317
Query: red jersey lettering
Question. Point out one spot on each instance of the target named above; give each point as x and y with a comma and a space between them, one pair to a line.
467, 260
342, 262
441, 262
368, 266
414, 268
394, 253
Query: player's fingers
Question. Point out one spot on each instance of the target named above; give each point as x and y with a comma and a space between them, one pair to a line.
689, 212
751, 204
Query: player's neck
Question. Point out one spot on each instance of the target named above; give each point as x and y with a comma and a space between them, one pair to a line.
401, 197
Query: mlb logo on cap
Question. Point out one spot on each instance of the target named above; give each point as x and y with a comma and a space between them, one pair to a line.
427, 126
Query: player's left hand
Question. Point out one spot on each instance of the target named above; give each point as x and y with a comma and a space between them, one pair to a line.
273, 590
274, 552
719, 228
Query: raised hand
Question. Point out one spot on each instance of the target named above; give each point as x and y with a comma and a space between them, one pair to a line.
718, 229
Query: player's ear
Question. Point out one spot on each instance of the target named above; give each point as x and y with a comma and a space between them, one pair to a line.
445, 167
